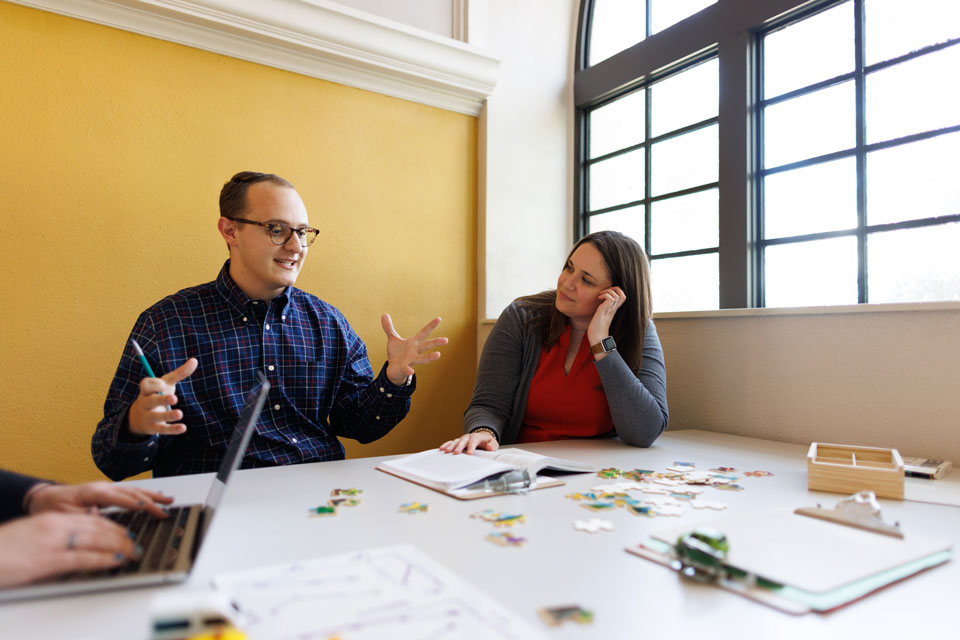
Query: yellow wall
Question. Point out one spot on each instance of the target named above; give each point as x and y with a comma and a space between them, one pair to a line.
114, 147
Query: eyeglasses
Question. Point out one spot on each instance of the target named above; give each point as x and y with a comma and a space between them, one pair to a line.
280, 233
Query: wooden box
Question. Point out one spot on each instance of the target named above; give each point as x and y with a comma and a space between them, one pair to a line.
846, 469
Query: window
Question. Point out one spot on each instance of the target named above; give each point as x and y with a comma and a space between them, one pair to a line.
860, 137
651, 171
781, 153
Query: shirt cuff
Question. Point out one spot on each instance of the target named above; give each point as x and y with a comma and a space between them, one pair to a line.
402, 390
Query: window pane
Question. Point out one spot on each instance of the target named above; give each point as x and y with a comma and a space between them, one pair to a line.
914, 96
616, 25
914, 264
685, 223
913, 181
809, 51
811, 125
891, 30
628, 221
686, 161
822, 197
686, 98
616, 181
669, 12
617, 125
686, 284
804, 274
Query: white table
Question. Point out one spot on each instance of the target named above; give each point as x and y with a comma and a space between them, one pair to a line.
264, 521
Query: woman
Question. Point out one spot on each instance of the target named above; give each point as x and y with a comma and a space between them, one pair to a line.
578, 362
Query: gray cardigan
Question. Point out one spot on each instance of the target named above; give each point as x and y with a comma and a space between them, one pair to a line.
638, 404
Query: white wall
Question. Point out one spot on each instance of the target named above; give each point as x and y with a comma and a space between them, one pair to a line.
435, 16
529, 221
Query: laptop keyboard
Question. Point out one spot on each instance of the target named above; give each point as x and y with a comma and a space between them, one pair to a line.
159, 538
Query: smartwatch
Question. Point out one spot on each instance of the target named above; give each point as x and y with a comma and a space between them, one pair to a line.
604, 346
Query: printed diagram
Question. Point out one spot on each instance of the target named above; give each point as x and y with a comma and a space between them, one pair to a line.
397, 592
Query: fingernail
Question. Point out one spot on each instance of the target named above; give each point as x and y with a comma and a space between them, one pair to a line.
132, 535
137, 551
139, 503
119, 557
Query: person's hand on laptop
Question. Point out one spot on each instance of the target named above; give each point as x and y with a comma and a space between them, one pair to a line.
84, 497
152, 412
403, 354
36, 547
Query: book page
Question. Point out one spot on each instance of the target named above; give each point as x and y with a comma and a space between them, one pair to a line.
534, 462
444, 470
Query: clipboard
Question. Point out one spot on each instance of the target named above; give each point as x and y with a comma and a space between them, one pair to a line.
799, 564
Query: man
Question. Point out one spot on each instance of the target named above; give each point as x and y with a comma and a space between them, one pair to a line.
62, 531
212, 339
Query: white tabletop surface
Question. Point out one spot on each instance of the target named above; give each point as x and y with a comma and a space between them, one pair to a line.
264, 521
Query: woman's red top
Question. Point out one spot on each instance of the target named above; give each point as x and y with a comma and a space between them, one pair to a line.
561, 405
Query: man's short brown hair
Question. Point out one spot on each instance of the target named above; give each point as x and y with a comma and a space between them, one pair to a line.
233, 196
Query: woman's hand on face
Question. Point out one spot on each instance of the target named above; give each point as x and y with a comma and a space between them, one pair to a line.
610, 301
470, 443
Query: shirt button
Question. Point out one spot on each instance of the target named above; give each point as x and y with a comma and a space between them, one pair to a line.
256, 302
244, 318
270, 368
293, 440
283, 317
148, 459
381, 389
267, 327
276, 407
389, 395
378, 417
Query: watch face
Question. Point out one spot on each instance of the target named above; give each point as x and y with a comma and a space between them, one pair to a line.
608, 344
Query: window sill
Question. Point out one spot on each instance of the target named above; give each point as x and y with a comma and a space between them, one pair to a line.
899, 307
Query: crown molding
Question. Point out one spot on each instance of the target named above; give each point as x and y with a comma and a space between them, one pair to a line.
316, 38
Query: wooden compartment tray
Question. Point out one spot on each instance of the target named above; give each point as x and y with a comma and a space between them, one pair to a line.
847, 469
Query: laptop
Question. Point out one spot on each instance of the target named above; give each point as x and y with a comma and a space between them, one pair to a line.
170, 545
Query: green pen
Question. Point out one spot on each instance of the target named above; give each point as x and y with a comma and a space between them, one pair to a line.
146, 365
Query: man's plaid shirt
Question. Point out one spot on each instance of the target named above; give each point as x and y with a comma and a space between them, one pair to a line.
322, 382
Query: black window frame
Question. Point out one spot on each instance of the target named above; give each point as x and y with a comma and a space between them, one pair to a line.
731, 30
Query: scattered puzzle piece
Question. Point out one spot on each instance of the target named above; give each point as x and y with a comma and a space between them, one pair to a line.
707, 504
414, 507
757, 474
346, 492
556, 616
505, 539
680, 463
593, 525
609, 473
597, 506
729, 487
641, 510
322, 510
723, 469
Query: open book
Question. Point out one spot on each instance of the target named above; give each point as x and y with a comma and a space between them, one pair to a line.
464, 476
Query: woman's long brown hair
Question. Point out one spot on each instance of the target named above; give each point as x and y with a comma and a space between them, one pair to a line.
628, 268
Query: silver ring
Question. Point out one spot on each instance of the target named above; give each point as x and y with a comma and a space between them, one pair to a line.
71, 541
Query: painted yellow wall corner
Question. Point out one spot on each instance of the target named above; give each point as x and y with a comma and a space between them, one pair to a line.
114, 147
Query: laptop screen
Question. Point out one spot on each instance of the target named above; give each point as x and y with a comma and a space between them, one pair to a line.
242, 433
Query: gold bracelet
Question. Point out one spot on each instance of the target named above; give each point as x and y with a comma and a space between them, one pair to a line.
488, 430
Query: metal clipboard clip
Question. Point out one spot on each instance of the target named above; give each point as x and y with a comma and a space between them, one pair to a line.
515, 481
861, 510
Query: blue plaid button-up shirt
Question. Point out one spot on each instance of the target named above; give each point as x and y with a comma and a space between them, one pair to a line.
322, 382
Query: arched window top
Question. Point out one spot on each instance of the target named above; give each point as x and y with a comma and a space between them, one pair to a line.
615, 25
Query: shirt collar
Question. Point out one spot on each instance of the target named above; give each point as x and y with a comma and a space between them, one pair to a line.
238, 300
